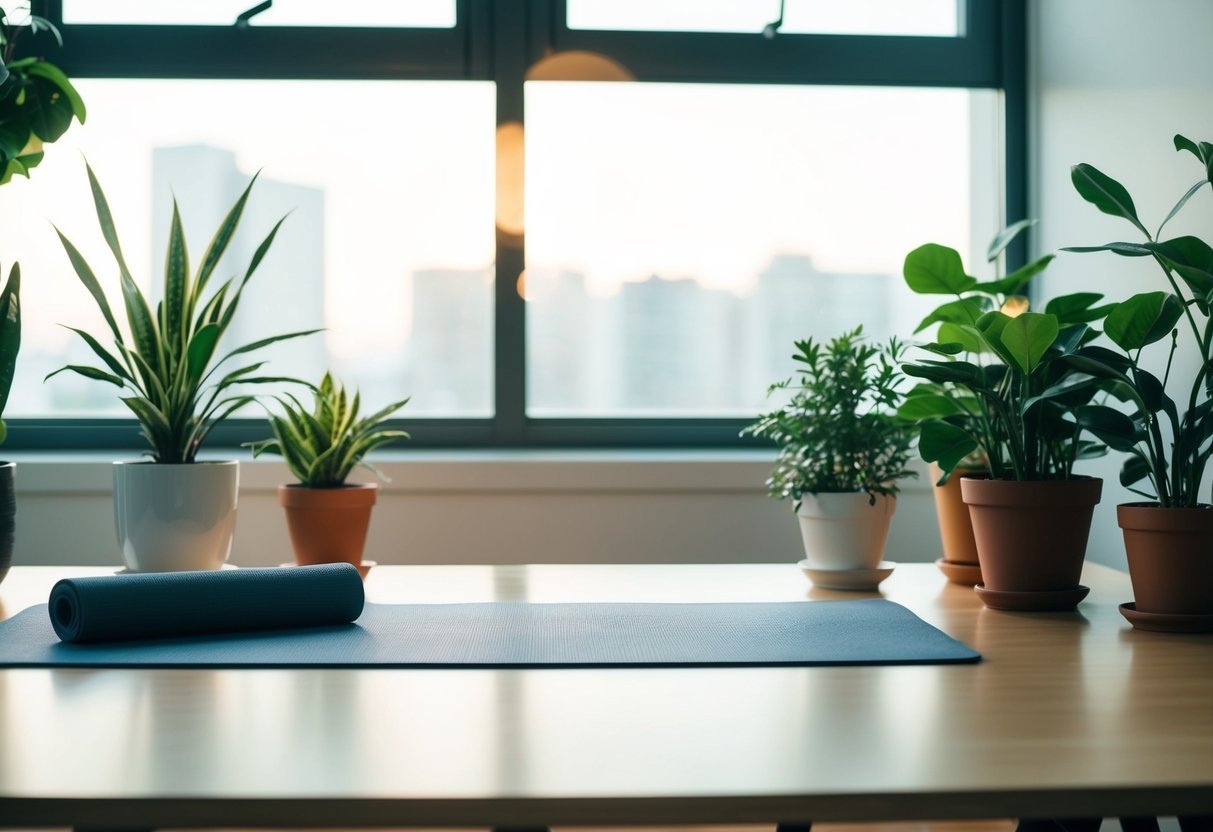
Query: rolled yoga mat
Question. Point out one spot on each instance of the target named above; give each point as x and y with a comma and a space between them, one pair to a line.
175, 604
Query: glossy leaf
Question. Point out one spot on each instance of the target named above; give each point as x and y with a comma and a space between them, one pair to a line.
1109, 425
1143, 319
1016, 280
1027, 337
1133, 470
961, 311
1105, 193
52, 73
967, 337
933, 269
1183, 200
1077, 308
1005, 237
176, 275
945, 444
1192, 260
1123, 249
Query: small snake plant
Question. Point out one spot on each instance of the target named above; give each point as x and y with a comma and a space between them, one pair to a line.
323, 443
167, 362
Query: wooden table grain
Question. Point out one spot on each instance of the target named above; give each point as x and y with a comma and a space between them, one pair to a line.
1069, 714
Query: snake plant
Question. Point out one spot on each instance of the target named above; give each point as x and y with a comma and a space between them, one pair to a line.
10, 336
323, 443
166, 362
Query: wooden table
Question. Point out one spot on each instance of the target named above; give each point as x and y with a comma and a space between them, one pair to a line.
1070, 714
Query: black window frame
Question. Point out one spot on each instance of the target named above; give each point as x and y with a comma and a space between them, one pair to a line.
497, 41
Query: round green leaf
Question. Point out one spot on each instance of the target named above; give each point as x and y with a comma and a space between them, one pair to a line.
1027, 337
1143, 319
933, 269
944, 444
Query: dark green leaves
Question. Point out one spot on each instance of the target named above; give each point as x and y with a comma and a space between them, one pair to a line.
945, 444
1014, 282
1027, 337
10, 333
1192, 260
1005, 237
1143, 319
1105, 193
933, 269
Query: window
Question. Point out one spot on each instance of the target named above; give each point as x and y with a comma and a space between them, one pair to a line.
679, 231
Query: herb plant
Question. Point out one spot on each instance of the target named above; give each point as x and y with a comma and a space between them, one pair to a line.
838, 432
998, 388
166, 361
322, 444
1168, 445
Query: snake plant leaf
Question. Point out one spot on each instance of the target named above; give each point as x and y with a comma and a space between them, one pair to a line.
52, 73
148, 414
85, 273
960, 311
106, 220
265, 342
1143, 319
384, 412
258, 256
87, 372
1192, 260
1014, 282
200, 351
101, 352
210, 312
1109, 425
143, 326
945, 444
1027, 337
223, 237
933, 269
1006, 237
10, 332
176, 273
1105, 193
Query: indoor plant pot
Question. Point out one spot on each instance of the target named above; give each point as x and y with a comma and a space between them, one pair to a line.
173, 513
175, 517
959, 562
1031, 535
845, 530
322, 445
1170, 553
328, 525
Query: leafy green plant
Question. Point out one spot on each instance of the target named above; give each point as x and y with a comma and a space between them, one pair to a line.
1168, 446
37, 101
998, 389
167, 360
322, 444
10, 337
838, 432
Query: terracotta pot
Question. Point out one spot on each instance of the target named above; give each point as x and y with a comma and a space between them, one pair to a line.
328, 525
1170, 552
1031, 536
845, 530
955, 527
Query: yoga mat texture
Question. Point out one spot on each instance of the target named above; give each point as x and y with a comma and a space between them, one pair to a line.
165, 605
872, 631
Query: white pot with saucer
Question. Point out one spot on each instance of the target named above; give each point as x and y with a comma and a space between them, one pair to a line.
175, 518
844, 537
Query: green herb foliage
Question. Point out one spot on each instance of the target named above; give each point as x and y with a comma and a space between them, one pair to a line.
323, 443
996, 386
166, 361
1167, 445
838, 432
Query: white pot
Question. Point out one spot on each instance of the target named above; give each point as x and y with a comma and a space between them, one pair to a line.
845, 530
173, 518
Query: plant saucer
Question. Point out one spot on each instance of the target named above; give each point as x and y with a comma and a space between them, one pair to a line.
1052, 600
965, 574
1163, 622
853, 580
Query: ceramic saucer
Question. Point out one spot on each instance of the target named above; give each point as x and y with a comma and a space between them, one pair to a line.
966, 574
858, 580
125, 571
1162, 622
1057, 600
362, 568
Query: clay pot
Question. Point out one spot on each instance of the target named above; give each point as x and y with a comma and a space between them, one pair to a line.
1170, 552
1031, 536
328, 525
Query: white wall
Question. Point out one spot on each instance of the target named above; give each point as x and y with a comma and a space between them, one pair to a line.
504, 507
1112, 82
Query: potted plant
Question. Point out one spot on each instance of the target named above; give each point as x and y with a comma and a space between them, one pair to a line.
1169, 536
37, 105
174, 512
327, 517
998, 387
841, 452
37, 101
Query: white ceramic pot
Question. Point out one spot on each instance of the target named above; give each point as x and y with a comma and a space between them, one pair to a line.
173, 518
845, 530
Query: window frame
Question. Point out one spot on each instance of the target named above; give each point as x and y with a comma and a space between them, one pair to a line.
497, 42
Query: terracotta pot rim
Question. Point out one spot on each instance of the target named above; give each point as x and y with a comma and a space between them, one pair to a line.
1074, 492
298, 486
350, 495
1151, 517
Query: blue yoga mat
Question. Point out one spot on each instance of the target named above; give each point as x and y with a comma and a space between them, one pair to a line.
175, 604
872, 631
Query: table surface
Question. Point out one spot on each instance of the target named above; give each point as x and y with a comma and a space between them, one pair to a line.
1069, 714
